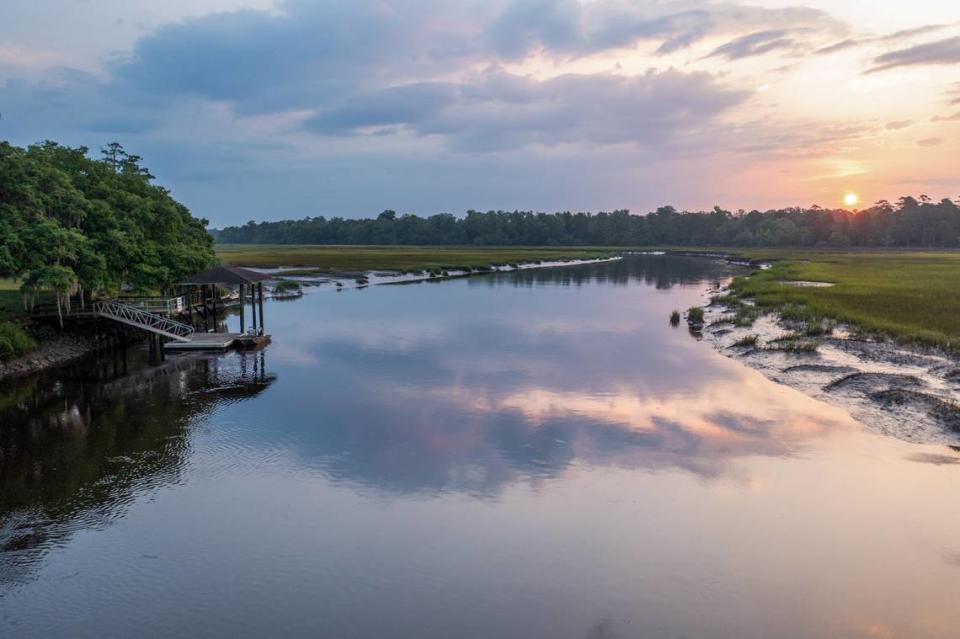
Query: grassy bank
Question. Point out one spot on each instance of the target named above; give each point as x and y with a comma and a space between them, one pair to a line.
11, 301
910, 296
14, 340
398, 258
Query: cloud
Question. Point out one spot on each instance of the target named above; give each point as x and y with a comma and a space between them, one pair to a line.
70, 102
754, 44
939, 52
553, 24
306, 52
930, 142
953, 94
897, 125
947, 118
408, 105
573, 28
261, 61
905, 34
843, 45
351, 106
500, 110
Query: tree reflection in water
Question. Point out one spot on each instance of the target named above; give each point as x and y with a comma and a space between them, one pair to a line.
78, 444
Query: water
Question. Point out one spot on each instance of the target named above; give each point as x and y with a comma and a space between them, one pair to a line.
533, 454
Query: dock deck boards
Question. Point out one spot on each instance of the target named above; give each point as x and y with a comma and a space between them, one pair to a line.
217, 341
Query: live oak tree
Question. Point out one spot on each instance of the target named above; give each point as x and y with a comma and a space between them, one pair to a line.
78, 227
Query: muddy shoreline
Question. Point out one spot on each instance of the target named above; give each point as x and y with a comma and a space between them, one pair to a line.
51, 352
908, 392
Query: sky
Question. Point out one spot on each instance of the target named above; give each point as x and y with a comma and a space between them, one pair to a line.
275, 109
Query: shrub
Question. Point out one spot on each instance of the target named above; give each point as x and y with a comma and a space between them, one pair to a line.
13, 341
695, 315
675, 318
286, 286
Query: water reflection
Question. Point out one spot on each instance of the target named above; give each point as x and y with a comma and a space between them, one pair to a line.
440, 421
663, 272
419, 399
488, 385
533, 454
79, 444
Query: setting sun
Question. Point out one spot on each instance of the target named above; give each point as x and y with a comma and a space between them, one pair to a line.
851, 199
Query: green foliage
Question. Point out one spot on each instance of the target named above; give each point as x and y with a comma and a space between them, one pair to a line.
13, 341
695, 315
73, 225
747, 341
909, 222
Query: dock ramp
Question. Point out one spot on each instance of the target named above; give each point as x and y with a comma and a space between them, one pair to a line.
142, 319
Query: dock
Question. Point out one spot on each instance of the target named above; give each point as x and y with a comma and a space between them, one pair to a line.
217, 342
171, 320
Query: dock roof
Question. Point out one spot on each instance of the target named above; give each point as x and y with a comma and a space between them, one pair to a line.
230, 275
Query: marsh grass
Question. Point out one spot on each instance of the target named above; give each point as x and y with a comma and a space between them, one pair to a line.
793, 346
695, 315
11, 300
909, 296
317, 259
745, 317
742, 314
786, 337
675, 318
287, 286
749, 341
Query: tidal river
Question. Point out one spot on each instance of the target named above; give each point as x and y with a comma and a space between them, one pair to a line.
518, 455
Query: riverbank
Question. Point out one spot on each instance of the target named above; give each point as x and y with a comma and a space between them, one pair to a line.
328, 260
875, 332
342, 280
52, 350
908, 296
909, 391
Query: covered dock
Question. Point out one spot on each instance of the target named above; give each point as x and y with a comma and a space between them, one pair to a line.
205, 300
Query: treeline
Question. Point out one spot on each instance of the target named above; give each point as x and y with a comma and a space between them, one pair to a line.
910, 222
77, 226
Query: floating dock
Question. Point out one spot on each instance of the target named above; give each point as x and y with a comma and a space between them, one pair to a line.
217, 342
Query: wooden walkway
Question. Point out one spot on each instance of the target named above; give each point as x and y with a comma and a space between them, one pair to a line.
217, 342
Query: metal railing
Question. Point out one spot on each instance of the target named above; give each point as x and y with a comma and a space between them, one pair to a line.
143, 319
49, 309
162, 305
171, 306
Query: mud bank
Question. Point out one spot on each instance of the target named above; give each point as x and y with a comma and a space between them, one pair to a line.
51, 351
906, 392
342, 280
